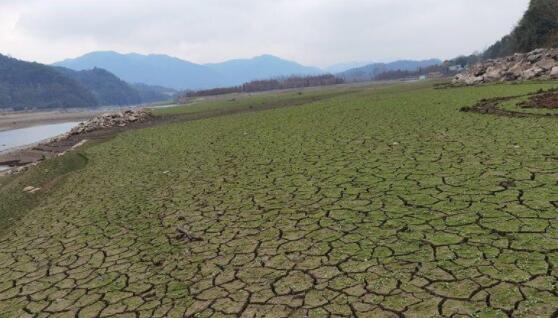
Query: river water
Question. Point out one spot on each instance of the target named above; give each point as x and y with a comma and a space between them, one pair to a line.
17, 138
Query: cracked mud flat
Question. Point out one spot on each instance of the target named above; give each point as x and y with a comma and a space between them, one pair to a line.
385, 202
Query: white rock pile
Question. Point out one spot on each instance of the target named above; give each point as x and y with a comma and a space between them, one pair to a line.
121, 119
537, 64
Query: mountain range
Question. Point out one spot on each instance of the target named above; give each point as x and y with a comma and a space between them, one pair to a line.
371, 71
167, 71
342, 67
114, 79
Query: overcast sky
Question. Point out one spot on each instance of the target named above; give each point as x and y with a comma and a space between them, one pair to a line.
313, 32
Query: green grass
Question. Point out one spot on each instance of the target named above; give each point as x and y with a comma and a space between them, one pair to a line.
254, 101
381, 201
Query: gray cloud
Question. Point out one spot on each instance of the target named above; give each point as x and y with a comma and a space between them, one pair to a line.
315, 32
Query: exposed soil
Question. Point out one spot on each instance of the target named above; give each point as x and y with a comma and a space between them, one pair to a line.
544, 101
490, 106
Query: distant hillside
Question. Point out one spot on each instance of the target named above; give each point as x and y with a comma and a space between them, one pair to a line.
290, 82
33, 85
162, 70
342, 67
372, 71
263, 67
537, 29
158, 70
151, 93
107, 88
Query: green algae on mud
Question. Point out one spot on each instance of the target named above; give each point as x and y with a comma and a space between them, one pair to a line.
381, 202
15, 203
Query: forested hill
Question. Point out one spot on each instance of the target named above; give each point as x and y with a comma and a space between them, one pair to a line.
29, 85
105, 86
537, 29
34, 85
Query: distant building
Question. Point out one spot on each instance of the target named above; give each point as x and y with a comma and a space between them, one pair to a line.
422, 77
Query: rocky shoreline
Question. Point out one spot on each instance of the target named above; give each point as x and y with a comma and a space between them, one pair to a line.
98, 127
109, 120
537, 64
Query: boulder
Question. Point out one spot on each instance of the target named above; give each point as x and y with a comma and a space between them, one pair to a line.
474, 80
493, 73
30, 189
532, 58
540, 63
546, 64
532, 73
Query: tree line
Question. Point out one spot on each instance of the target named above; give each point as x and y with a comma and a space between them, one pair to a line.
538, 28
441, 70
269, 85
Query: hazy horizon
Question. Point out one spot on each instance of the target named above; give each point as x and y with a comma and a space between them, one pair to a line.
310, 32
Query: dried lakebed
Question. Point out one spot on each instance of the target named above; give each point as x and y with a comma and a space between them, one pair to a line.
386, 202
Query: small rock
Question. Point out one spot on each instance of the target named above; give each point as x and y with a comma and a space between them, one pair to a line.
28, 189
20, 169
35, 190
